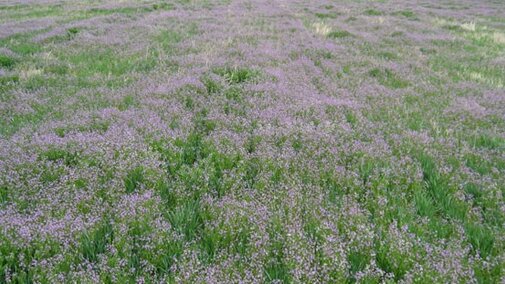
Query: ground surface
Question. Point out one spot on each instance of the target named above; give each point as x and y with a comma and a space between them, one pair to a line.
252, 141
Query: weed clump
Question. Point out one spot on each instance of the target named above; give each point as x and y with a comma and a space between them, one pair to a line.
339, 34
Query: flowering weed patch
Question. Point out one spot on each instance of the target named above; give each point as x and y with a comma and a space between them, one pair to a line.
255, 141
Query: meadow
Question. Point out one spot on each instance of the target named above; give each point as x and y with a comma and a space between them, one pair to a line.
252, 141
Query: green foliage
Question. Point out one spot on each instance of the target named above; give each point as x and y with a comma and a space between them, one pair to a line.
350, 117
4, 195
163, 6
252, 142
15, 261
331, 185
200, 182
488, 142
406, 13
473, 190
51, 174
94, 243
166, 193
392, 261
365, 168
134, 178
193, 149
21, 44
481, 239
80, 183
129, 10
218, 165
167, 39
439, 191
424, 204
211, 86
339, 34
326, 15
60, 132
358, 260
373, 12
250, 170
489, 273
6, 61
389, 79
73, 31
127, 102
276, 269
60, 155
105, 61
169, 252
234, 94
188, 219
478, 164
387, 55
236, 75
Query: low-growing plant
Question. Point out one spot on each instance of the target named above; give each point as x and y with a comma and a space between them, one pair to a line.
188, 219
338, 34
60, 155
134, 178
406, 13
4, 194
95, 242
326, 15
389, 79
6, 61
236, 75
211, 86
127, 102
276, 269
358, 261
481, 239
488, 142
373, 12
393, 263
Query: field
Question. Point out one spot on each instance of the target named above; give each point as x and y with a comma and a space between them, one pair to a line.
252, 141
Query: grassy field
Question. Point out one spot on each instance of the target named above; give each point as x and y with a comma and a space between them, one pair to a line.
252, 141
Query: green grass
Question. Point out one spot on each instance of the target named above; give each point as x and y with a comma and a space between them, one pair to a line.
387, 55
389, 79
406, 13
196, 171
481, 239
22, 12
168, 39
59, 155
127, 102
393, 261
21, 44
358, 261
373, 12
424, 204
6, 61
326, 15
87, 63
94, 243
478, 164
4, 195
134, 178
236, 75
188, 219
339, 34
211, 86
276, 268
488, 142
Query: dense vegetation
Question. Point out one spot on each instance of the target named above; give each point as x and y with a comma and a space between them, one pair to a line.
230, 141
